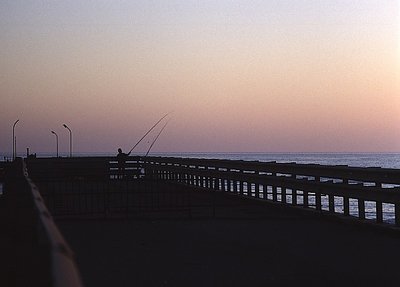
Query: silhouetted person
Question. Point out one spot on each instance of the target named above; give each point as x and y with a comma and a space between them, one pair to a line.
121, 158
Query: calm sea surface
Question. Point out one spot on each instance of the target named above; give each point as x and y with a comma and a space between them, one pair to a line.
386, 160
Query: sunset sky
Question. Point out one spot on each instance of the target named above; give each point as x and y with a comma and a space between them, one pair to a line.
239, 76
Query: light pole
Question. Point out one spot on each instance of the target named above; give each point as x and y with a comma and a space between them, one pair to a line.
54, 133
14, 141
70, 139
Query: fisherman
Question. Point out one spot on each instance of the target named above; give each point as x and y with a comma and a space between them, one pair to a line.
121, 158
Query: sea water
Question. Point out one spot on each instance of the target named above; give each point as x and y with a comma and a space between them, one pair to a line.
384, 160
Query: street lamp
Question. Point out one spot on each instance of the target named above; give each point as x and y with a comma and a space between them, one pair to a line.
70, 139
54, 133
14, 155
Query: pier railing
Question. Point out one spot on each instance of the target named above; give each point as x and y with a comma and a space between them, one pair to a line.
43, 257
95, 187
356, 192
365, 193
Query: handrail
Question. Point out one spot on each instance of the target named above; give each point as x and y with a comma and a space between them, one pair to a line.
63, 267
283, 181
369, 174
51, 261
103, 164
261, 179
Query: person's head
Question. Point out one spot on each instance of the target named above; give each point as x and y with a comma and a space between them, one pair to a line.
119, 150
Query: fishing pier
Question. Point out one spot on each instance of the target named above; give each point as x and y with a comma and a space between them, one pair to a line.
278, 213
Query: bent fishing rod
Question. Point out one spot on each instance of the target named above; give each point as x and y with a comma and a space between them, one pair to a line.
148, 132
154, 141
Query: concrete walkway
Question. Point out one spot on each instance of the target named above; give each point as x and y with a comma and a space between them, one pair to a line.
272, 246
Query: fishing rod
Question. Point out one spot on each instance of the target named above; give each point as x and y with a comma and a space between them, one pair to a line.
154, 141
148, 132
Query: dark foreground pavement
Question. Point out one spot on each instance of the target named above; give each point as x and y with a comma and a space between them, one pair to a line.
280, 248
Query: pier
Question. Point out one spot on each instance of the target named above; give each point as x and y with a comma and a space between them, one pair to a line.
163, 221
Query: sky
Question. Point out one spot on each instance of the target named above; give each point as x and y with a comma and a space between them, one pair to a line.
238, 76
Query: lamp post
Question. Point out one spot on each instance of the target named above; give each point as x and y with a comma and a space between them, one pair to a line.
70, 139
14, 141
54, 133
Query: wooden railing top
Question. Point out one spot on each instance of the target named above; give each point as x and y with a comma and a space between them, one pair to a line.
366, 174
343, 172
25, 195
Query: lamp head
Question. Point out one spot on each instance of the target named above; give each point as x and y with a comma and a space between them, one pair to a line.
65, 126
53, 132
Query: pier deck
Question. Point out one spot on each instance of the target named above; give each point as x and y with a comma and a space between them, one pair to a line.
190, 222
272, 246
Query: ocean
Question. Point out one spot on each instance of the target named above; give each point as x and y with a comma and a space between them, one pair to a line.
385, 160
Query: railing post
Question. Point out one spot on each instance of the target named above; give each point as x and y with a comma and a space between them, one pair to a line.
229, 185
274, 193
265, 191
318, 205
346, 201
331, 200
346, 206
361, 208
379, 207
283, 193
257, 190
214, 196
294, 192
305, 198
294, 196
397, 214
